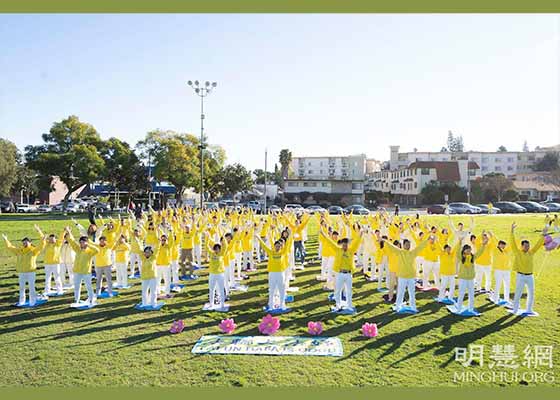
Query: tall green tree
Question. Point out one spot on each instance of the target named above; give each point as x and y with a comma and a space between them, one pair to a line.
124, 170
233, 179
8, 166
71, 152
492, 187
502, 149
454, 143
285, 159
548, 163
27, 182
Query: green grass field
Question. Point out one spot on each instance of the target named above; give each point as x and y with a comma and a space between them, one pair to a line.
113, 344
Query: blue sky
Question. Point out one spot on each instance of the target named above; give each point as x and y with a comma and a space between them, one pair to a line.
317, 84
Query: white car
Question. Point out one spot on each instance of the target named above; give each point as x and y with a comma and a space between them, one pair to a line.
44, 208
25, 208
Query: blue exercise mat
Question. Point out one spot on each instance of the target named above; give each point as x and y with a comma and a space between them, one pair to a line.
188, 277
382, 290
208, 307
331, 297
344, 311
157, 307
105, 295
444, 301
38, 302
464, 313
275, 311
404, 310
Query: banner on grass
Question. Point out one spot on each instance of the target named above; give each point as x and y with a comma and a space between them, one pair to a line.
269, 345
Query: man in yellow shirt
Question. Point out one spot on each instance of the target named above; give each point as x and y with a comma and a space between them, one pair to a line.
216, 274
406, 272
85, 252
163, 262
501, 263
52, 259
103, 265
26, 265
483, 265
276, 267
344, 268
524, 267
121, 250
148, 276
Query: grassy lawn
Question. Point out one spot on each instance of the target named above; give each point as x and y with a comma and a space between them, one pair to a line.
113, 344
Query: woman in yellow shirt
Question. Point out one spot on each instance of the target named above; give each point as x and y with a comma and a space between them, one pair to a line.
52, 261
466, 273
148, 275
393, 265
26, 265
483, 265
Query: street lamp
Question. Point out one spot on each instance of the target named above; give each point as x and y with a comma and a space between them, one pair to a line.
202, 90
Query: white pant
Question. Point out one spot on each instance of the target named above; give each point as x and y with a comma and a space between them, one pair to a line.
382, 269
520, 282
175, 272
149, 292
446, 282
238, 260
324, 262
479, 271
216, 286
367, 262
27, 278
164, 272
427, 267
197, 254
343, 282
226, 280
248, 259
231, 273
122, 277
330, 272
134, 258
52, 271
86, 278
466, 286
67, 269
502, 277
276, 284
404, 284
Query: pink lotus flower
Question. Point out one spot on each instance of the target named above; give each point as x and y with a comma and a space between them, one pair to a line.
550, 243
314, 328
227, 326
177, 326
369, 330
269, 325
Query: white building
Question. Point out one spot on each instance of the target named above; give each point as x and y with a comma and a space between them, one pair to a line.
406, 183
508, 163
326, 180
537, 186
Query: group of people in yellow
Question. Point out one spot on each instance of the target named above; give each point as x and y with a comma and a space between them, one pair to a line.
401, 253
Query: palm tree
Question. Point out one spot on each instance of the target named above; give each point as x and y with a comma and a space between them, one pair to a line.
285, 160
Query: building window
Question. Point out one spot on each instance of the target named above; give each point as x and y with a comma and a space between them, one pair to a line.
321, 172
484, 159
356, 186
292, 184
324, 184
497, 159
510, 168
415, 185
485, 168
425, 171
498, 168
510, 159
309, 184
310, 171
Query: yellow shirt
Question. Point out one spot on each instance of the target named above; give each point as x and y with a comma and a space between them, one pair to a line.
187, 241
82, 262
431, 252
216, 260
466, 269
26, 257
52, 252
148, 266
448, 261
103, 257
501, 259
407, 264
524, 259
121, 252
485, 257
164, 255
344, 259
275, 258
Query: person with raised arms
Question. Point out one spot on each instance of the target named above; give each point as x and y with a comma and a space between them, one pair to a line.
501, 264
26, 267
148, 275
406, 272
466, 273
216, 271
52, 261
447, 270
344, 267
85, 252
524, 267
275, 267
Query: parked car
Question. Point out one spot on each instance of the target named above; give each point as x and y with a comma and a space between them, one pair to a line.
315, 209
532, 206
274, 208
44, 208
552, 207
436, 209
485, 210
335, 210
254, 205
510, 207
7, 206
211, 205
25, 208
293, 207
356, 209
463, 208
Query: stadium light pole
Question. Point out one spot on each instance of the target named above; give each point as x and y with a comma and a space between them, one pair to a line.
202, 90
